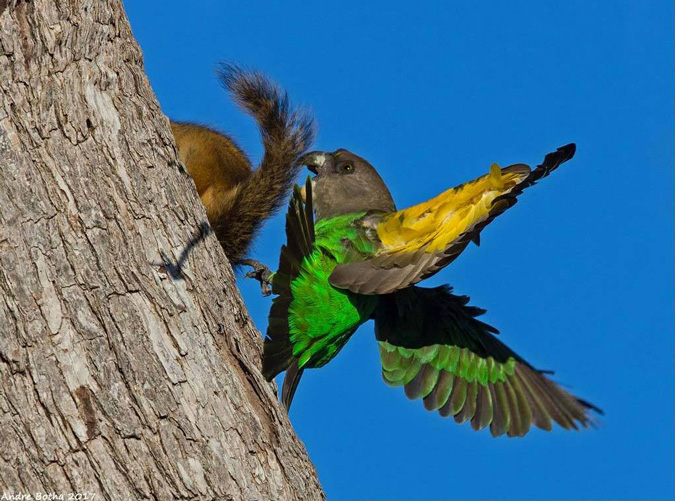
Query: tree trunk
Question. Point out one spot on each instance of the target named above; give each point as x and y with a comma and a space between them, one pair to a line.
124, 374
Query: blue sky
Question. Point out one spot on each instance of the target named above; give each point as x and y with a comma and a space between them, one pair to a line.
578, 276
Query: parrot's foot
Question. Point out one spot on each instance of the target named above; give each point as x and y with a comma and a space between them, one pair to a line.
261, 273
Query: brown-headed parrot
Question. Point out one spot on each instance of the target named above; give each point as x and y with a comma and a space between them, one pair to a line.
361, 260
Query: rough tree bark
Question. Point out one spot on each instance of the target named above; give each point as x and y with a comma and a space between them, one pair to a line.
121, 378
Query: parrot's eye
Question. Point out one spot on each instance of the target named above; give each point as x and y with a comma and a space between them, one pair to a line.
347, 168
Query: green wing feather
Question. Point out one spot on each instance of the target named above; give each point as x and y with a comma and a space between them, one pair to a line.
310, 320
432, 344
278, 347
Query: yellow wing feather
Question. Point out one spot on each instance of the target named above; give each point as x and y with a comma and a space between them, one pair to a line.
434, 224
417, 242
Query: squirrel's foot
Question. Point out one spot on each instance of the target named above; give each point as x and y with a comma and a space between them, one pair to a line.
261, 273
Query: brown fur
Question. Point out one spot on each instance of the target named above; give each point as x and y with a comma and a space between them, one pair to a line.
237, 199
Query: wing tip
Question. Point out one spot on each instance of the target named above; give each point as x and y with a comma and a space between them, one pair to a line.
569, 150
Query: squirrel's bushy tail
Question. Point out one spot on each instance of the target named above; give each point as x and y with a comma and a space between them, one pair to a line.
286, 134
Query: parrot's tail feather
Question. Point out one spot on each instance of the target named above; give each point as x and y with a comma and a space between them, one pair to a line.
278, 346
291, 380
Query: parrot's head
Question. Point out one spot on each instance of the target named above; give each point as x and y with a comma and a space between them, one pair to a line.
345, 183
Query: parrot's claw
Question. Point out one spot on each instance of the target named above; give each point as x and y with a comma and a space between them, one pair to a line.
261, 273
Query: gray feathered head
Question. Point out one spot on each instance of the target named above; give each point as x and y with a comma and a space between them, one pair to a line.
345, 183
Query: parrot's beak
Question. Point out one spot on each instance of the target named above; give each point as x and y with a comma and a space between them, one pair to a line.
314, 161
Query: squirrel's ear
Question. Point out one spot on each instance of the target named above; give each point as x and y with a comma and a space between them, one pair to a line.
315, 160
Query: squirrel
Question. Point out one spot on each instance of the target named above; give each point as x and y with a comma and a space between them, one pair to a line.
237, 199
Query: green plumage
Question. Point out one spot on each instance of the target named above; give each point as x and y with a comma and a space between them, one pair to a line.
321, 317
430, 340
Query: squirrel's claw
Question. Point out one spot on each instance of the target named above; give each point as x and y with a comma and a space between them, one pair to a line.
261, 273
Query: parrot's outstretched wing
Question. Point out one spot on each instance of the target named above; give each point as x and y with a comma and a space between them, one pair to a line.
278, 348
417, 242
432, 344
